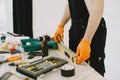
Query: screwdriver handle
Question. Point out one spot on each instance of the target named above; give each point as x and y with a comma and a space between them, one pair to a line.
5, 45
12, 49
14, 58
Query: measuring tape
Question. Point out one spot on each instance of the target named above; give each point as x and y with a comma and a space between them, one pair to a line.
67, 70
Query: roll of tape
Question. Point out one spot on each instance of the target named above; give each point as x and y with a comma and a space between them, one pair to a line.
67, 70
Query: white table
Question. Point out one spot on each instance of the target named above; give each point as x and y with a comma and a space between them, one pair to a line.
82, 71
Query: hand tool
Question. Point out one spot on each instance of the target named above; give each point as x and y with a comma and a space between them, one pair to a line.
14, 34
17, 63
44, 38
11, 76
33, 54
34, 44
67, 52
12, 49
11, 59
5, 45
42, 66
2, 52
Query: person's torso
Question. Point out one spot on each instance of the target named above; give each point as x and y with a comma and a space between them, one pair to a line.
80, 9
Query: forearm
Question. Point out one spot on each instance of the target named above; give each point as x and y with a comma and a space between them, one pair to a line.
94, 20
66, 16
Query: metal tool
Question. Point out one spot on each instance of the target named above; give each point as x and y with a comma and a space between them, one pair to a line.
17, 63
2, 52
66, 51
33, 54
42, 66
11, 76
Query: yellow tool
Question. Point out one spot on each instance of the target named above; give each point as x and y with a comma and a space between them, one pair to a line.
14, 58
11, 59
5, 45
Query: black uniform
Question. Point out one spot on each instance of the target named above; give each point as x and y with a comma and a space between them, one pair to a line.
79, 17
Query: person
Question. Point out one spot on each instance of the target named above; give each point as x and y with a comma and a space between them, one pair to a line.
87, 34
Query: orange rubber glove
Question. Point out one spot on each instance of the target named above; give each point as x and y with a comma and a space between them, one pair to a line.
58, 36
83, 51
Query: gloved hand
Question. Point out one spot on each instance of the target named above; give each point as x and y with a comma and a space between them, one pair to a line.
58, 36
83, 51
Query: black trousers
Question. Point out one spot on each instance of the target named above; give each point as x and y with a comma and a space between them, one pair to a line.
97, 57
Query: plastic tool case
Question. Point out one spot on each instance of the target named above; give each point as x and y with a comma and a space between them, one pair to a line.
39, 67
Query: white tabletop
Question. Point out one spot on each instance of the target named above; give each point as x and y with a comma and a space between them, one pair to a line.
82, 71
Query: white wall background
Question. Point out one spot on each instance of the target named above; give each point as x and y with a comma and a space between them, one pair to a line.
112, 15
47, 14
6, 20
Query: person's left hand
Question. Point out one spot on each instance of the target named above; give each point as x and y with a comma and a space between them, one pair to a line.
83, 51
59, 34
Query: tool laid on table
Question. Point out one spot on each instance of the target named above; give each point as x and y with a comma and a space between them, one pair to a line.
10, 47
2, 52
42, 53
11, 76
44, 38
14, 34
5, 45
17, 63
42, 66
67, 70
11, 59
66, 51
33, 54
43, 44
33, 44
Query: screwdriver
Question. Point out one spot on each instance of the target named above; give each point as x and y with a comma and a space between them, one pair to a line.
12, 49
11, 59
5, 45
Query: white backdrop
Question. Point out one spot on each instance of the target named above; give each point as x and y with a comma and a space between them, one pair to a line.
6, 23
112, 16
47, 14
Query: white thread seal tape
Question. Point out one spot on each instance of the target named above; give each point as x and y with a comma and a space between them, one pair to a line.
67, 70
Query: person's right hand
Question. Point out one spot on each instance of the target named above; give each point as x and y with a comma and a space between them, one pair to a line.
83, 51
59, 36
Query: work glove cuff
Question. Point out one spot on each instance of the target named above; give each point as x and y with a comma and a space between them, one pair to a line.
84, 41
60, 28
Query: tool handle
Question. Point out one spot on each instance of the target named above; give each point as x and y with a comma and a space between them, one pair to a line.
5, 45
12, 49
14, 58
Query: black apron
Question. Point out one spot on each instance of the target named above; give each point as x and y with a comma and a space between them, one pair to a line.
79, 19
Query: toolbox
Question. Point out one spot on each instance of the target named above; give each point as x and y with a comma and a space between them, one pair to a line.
34, 44
36, 68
